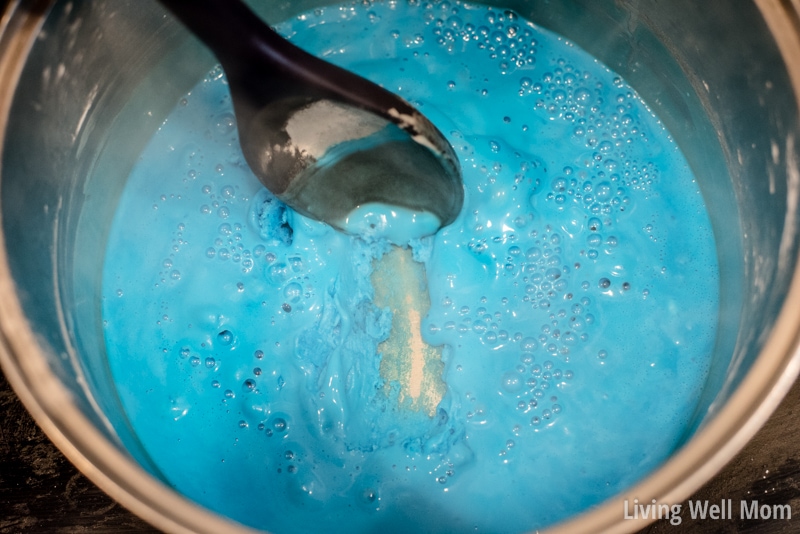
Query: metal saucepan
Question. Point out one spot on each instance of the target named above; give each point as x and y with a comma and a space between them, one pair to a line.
723, 77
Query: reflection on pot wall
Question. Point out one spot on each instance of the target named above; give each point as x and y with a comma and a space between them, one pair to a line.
712, 73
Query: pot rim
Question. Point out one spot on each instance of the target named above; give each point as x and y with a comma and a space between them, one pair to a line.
24, 362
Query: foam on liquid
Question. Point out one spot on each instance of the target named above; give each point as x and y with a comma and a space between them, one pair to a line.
535, 357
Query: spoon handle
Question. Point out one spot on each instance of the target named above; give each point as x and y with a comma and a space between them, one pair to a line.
263, 66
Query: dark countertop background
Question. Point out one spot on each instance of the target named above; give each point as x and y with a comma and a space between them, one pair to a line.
40, 490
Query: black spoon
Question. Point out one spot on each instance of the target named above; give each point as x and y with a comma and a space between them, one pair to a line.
322, 139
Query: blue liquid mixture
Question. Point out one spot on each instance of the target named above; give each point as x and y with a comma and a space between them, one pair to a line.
537, 356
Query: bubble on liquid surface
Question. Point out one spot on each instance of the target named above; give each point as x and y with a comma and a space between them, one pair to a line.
293, 292
512, 382
279, 424
225, 338
225, 123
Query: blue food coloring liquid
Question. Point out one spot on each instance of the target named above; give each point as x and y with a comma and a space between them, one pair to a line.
537, 356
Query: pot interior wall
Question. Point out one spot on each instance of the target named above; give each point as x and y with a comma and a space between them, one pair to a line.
105, 73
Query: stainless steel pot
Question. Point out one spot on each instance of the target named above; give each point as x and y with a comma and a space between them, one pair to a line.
75, 77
